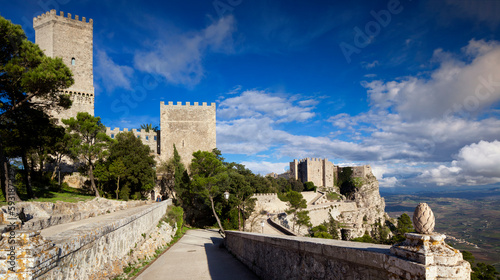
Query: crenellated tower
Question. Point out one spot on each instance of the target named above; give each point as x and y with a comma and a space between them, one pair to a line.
72, 40
189, 127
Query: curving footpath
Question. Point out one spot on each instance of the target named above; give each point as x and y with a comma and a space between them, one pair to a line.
197, 255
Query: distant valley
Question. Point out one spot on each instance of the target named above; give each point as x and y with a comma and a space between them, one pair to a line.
470, 219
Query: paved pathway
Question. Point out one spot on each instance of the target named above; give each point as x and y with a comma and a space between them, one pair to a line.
197, 255
53, 230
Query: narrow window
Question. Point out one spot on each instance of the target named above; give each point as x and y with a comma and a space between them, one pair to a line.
147, 138
112, 136
73, 61
155, 138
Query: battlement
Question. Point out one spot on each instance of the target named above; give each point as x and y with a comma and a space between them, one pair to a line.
144, 135
52, 15
188, 104
312, 159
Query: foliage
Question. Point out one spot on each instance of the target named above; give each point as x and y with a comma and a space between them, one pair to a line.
26, 73
320, 232
136, 170
345, 182
117, 169
404, 224
358, 181
333, 196
303, 219
88, 141
208, 174
366, 238
480, 271
309, 186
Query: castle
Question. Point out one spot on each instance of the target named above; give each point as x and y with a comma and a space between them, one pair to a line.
189, 127
322, 172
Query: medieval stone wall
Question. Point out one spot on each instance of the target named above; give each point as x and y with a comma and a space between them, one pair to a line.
148, 138
189, 127
72, 40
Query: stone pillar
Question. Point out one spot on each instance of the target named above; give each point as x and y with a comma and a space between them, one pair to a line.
427, 248
24, 254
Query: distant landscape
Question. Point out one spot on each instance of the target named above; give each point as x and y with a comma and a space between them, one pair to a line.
469, 218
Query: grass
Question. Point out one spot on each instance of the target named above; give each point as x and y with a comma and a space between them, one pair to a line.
65, 194
333, 196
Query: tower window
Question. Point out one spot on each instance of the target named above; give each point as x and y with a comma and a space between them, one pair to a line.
147, 138
112, 136
73, 61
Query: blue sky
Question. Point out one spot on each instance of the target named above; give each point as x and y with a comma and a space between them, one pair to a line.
409, 87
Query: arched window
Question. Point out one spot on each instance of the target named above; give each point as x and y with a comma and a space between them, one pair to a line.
73, 61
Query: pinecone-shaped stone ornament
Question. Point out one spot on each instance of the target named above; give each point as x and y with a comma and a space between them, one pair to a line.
423, 219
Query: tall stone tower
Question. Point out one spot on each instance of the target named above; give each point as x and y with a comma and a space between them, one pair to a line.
71, 40
189, 127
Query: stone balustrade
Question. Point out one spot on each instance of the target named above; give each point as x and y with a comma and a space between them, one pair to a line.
287, 257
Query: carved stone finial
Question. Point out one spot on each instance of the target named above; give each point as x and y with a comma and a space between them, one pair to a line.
423, 219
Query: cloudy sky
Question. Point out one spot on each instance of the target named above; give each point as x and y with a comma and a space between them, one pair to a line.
410, 87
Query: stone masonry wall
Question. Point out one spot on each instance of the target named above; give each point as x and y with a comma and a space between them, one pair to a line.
72, 40
148, 138
95, 251
189, 127
286, 257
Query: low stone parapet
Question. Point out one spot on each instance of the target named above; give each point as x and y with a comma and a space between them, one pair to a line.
277, 257
93, 251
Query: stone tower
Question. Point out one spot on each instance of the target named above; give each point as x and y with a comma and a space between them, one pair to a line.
71, 40
189, 127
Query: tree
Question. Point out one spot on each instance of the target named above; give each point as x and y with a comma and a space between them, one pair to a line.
148, 126
88, 141
118, 170
139, 174
28, 80
26, 73
208, 173
404, 224
296, 202
302, 219
241, 191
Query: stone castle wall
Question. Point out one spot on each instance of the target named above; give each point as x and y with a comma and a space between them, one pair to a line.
148, 138
189, 127
322, 172
72, 40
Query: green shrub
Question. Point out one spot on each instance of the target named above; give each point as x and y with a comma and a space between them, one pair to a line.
175, 215
124, 193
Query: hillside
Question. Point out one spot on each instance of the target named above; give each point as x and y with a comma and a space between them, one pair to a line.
470, 218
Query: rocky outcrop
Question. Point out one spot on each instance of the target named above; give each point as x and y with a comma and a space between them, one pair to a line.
370, 207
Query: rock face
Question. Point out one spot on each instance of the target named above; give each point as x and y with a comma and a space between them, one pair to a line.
370, 207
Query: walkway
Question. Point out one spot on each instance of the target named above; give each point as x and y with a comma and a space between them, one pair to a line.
197, 255
53, 230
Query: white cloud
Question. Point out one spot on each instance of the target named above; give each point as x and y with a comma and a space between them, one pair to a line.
457, 87
112, 75
476, 164
179, 58
266, 167
371, 65
259, 104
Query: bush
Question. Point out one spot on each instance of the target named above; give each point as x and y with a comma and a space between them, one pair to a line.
124, 193
175, 216
136, 196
